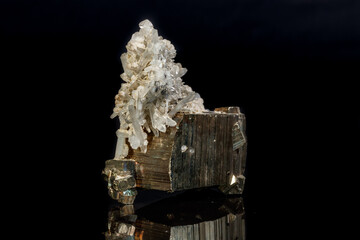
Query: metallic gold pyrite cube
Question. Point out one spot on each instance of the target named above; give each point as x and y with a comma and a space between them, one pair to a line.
203, 150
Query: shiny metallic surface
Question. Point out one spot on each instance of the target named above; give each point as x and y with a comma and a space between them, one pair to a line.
203, 150
191, 215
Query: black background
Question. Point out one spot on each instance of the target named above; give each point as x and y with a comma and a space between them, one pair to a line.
291, 66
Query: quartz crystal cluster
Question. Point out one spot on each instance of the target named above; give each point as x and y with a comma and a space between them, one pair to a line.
153, 91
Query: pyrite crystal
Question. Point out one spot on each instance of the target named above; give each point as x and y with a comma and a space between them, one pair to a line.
167, 140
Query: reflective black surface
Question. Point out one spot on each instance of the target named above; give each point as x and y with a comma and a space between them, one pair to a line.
193, 214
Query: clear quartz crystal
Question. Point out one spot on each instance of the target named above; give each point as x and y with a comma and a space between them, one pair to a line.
153, 91
184, 148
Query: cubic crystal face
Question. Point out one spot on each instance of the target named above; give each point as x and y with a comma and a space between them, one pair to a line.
153, 91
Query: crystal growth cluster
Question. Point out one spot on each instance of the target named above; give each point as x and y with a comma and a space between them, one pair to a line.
153, 91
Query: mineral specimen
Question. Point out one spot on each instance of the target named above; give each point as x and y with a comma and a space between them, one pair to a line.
153, 91
167, 141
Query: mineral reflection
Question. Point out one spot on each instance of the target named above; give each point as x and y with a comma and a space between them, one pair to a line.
182, 217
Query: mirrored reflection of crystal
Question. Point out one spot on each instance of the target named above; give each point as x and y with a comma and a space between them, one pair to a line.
192, 215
